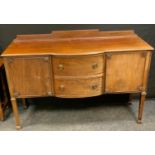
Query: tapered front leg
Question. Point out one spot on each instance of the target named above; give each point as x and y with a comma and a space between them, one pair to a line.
25, 106
16, 112
1, 113
130, 99
141, 107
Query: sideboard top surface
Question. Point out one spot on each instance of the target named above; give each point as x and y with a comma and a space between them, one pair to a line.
76, 42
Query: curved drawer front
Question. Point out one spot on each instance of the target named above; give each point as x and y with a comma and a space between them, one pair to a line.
77, 88
78, 66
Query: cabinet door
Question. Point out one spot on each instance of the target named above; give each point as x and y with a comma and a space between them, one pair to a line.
125, 71
29, 76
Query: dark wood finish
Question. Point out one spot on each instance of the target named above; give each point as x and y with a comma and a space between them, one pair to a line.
77, 64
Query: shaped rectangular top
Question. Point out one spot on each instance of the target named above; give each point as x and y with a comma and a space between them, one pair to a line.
76, 42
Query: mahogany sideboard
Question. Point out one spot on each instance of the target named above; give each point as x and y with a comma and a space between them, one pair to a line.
77, 64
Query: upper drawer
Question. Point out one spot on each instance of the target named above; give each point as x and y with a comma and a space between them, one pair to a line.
78, 66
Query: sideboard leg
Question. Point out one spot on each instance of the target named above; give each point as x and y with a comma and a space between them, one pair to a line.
16, 113
24, 103
141, 107
130, 99
1, 113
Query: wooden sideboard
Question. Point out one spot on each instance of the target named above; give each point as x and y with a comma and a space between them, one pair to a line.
77, 64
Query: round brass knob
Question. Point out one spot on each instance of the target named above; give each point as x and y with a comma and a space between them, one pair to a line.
62, 87
61, 67
94, 87
94, 66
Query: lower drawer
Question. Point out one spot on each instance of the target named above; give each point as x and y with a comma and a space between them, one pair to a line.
78, 88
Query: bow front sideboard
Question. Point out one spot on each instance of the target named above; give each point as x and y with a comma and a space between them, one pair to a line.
77, 64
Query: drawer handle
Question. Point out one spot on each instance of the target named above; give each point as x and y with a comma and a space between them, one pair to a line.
94, 87
62, 87
61, 67
94, 66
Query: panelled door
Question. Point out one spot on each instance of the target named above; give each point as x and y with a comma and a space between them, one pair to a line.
124, 71
30, 76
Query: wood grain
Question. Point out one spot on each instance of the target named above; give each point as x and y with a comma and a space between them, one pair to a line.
124, 71
32, 37
74, 33
57, 34
77, 88
74, 66
30, 76
97, 44
77, 64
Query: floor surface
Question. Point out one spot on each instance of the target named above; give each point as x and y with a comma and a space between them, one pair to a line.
85, 115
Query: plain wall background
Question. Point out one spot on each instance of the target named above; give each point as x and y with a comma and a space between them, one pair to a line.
147, 32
